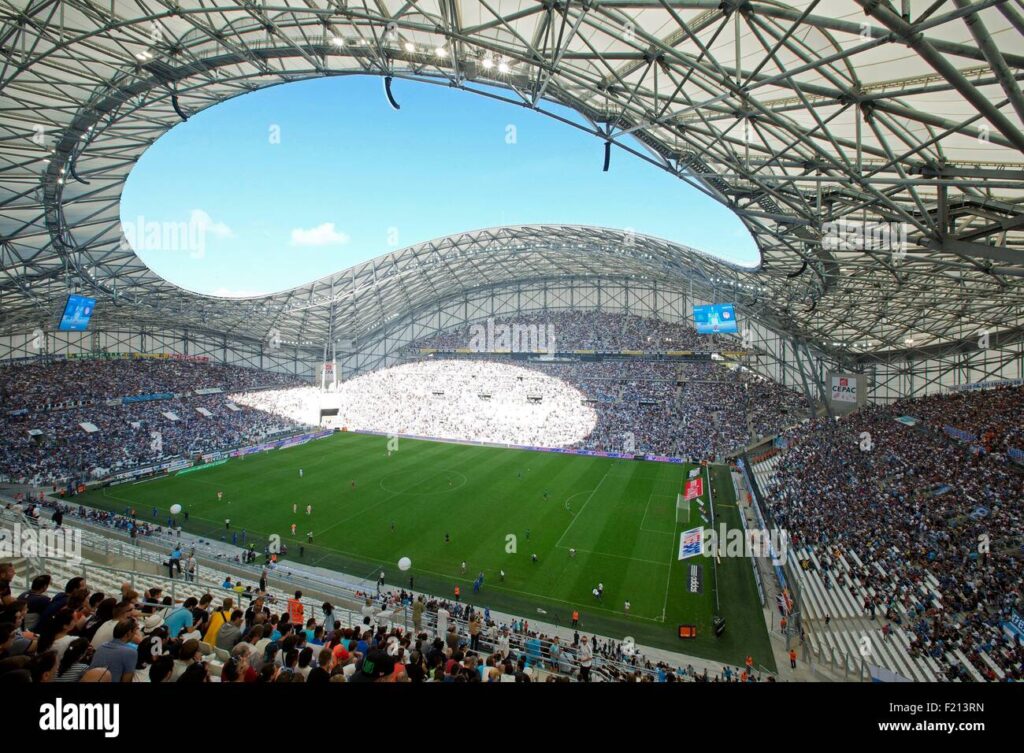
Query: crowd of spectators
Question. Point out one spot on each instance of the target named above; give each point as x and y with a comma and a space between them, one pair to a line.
994, 416
592, 330
40, 509
474, 400
37, 384
604, 658
689, 409
712, 414
300, 405
80, 634
918, 508
695, 410
67, 421
69, 429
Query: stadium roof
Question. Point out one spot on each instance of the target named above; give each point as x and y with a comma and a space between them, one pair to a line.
795, 116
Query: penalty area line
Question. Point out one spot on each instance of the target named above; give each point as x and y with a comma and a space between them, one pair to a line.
576, 516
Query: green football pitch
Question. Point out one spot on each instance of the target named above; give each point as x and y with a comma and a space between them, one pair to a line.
497, 508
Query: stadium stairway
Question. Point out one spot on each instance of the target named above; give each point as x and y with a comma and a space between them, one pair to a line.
837, 630
810, 666
848, 630
806, 670
840, 631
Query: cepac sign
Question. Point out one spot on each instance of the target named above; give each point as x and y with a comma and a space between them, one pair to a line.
844, 388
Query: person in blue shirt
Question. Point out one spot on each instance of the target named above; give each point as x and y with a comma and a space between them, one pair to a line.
120, 655
533, 652
318, 636
180, 618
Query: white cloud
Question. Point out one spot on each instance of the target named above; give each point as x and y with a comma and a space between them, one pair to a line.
204, 221
321, 235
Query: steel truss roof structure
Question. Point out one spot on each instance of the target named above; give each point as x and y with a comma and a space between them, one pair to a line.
806, 119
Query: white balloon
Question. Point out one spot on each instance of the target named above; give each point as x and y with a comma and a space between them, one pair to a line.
405, 563
175, 509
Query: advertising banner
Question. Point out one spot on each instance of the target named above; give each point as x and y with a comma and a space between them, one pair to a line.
147, 398
987, 385
196, 468
691, 543
844, 388
693, 488
846, 391
126, 476
696, 584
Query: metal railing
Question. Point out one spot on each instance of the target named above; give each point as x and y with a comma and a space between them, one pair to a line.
346, 598
177, 588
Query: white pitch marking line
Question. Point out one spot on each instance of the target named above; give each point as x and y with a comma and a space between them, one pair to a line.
580, 512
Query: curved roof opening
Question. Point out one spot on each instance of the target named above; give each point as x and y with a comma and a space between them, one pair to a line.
288, 184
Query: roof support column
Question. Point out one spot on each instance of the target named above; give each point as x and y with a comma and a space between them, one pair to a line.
813, 408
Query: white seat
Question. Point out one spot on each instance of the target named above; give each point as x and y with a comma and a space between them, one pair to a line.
971, 669
992, 665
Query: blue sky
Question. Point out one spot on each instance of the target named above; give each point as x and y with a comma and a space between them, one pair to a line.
301, 180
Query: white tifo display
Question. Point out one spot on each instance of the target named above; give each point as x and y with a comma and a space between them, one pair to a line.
443, 398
